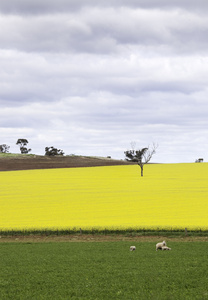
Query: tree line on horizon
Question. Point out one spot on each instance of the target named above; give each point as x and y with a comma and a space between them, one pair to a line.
22, 143
141, 157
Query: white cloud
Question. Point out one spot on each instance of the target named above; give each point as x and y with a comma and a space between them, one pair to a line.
89, 77
101, 30
24, 7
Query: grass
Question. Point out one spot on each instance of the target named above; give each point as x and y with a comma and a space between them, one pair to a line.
103, 271
107, 232
7, 155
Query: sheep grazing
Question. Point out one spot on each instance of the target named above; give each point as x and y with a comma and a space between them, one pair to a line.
166, 248
160, 245
132, 248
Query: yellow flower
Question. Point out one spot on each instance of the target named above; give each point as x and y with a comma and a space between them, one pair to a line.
169, 196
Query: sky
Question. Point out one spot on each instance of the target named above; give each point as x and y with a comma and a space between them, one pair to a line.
96, 77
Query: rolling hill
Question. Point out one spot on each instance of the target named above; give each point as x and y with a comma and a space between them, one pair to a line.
12, 162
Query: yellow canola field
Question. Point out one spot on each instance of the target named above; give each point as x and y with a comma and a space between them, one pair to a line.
169, 196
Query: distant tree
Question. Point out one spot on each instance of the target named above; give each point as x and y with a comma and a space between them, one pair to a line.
23, 143
51, 151
4, 148
142, 156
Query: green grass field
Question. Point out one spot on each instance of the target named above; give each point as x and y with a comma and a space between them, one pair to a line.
105, 270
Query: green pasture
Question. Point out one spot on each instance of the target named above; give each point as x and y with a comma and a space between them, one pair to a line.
103, 270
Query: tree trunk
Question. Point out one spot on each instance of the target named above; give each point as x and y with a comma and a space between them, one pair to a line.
142, 170
141, 166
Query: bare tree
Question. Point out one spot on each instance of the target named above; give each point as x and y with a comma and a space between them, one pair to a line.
142, 156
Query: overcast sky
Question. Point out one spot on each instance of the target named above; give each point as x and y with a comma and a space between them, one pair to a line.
90, 77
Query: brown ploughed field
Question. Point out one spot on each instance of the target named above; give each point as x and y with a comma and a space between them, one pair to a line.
29, 162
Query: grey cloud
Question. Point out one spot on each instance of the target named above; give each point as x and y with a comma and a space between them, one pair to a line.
53, 6
65, 33
175, 30
91, 76
103, 123
103, 31
101, 111
35, 78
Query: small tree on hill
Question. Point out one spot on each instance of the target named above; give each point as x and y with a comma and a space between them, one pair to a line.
23, 143
51, 151
142, 156
4, 148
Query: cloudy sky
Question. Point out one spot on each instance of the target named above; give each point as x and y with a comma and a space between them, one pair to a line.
90, 77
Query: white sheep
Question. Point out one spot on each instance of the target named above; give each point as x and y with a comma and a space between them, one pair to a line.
166, 248
160, 245
132, 248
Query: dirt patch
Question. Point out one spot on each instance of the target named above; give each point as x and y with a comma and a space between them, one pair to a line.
31, 162
96, 238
